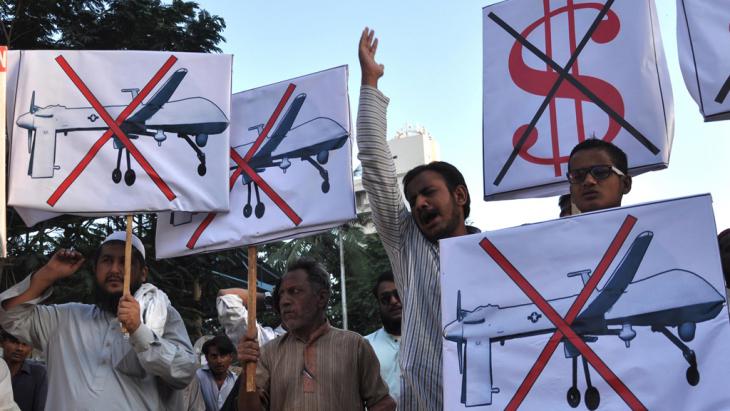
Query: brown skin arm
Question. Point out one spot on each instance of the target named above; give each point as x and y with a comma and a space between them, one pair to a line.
371, 70
248, 351
63, 264
128, 313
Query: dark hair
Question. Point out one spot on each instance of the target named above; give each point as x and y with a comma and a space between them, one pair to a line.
563, 199
6, 336
317, 276
386, 276
223, 343
451, 175
618, 157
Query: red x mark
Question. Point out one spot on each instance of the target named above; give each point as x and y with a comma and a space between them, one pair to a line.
563, 324
113, 130
243, 167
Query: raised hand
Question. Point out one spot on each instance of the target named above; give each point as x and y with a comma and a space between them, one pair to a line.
63, 264
371, 70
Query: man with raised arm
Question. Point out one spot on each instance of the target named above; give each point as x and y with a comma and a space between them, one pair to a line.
439, 201
92, 364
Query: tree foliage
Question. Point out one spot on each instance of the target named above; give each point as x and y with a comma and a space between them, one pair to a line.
109, 25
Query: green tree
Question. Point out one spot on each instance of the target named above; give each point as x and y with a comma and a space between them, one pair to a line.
109, 25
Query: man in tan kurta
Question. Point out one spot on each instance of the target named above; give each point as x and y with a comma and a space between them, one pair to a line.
314, 366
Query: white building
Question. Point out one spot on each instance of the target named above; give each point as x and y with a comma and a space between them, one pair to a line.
411, 147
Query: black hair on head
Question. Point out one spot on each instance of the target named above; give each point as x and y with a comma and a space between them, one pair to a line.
223, 343
386, 276
451, 175
618, 157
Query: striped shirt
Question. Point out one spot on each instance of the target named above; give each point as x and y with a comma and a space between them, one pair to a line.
414, 259
335, 370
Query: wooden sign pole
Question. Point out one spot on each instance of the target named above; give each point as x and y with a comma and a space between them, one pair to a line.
252, 331
127, 260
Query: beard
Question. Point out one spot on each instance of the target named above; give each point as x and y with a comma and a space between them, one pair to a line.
107, 301
391, 325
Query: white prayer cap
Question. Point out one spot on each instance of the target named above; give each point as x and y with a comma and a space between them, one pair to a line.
122, 236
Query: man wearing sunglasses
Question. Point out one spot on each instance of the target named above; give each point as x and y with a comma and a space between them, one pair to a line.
386, 341
598, 175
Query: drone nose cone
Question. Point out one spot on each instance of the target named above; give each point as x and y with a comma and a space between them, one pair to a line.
454, 332
25, 121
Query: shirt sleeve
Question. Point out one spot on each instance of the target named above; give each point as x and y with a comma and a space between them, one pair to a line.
263, 376
372, 386
233, 316
379, 176
170, 356
29, 321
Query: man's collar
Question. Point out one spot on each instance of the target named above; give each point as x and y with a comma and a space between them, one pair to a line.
318, 332
25, 367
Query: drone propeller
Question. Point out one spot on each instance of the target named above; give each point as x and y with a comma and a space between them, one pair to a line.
33, 107
459, 344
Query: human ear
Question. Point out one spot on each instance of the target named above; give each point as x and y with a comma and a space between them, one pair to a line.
461, 194
626, 182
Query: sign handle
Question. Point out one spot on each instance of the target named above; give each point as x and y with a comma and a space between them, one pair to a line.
128, 260
252, 331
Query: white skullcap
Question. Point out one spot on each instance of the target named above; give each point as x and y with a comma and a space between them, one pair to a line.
122, 236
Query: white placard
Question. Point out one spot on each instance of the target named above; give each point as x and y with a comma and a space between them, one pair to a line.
703, 38
298, 181
617, 89
647, 300
120, 131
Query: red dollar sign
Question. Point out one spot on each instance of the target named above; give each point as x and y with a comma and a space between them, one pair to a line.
540, 82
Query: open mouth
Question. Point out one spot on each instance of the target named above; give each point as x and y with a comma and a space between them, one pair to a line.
427, 216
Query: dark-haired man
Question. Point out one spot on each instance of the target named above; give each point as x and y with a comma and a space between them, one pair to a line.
91, 364
386, 340
598, 174
439, 201
29, 380
216, 378
314, 366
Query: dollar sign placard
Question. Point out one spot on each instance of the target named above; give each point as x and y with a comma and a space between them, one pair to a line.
539, 82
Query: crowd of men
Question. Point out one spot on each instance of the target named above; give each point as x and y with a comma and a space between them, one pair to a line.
132, 352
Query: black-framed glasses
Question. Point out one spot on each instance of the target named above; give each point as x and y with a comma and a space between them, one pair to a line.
385, 297
599, 172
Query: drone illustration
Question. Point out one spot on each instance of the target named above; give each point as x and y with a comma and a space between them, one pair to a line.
310, 141
672, 298
193, 116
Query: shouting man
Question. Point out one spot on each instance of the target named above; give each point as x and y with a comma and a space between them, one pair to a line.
439, 203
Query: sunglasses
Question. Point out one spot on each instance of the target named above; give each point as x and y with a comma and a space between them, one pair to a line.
600, 172
384, 298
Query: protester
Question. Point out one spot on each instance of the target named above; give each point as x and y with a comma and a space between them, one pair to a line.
386, 340
6, 390
566, 207
598, 174
28, 377
723, 240
232, 306
314, 366
439, 201
216, 378
92, 364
